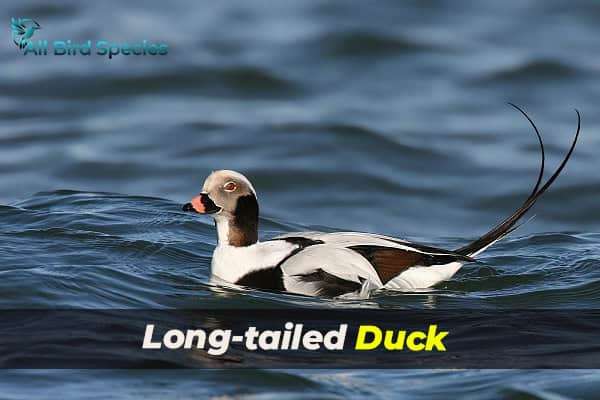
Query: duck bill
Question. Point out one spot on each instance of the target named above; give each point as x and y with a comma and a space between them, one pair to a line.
202, 204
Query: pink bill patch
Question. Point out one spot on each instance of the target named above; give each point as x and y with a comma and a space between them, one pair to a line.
197, 204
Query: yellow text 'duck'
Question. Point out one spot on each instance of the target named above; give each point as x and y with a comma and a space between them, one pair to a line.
371, 337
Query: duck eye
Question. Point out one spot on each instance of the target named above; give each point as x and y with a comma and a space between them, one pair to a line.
229, 186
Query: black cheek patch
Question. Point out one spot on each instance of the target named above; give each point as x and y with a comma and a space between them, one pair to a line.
246, 213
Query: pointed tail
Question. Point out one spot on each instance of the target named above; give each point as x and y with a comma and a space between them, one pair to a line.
508, 225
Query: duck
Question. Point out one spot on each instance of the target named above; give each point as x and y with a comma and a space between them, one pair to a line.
334, 264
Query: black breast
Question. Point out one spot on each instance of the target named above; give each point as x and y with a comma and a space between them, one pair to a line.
271, 278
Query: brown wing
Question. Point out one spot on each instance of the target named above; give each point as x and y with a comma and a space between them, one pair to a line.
390, 262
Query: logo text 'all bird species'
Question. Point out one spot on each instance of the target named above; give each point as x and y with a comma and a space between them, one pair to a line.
23, 30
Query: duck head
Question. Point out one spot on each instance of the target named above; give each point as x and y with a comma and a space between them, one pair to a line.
229, 198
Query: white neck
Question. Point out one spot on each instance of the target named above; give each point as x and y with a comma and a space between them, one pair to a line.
222, 223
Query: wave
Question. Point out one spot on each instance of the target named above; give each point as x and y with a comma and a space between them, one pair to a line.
358, 44
214, 81
111, 245
533, 70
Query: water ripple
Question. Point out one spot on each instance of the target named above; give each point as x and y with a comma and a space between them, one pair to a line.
123, 244
534, 70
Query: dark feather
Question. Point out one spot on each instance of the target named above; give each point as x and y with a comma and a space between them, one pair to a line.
508, 225
244, 229
272, 278
390, 262
266, 279
329, 285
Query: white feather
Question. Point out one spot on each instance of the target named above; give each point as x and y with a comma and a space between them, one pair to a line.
423, 277
348, 239
333, 256
231, 263
343, 263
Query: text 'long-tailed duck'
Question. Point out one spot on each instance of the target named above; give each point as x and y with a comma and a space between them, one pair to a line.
333, 264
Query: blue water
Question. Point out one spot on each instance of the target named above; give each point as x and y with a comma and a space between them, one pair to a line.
379, 117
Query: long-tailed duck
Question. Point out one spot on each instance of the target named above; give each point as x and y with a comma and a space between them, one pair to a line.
333, 264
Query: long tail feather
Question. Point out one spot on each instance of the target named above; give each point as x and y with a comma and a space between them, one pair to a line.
507, 226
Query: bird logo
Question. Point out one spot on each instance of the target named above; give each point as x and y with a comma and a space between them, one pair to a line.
22, 30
